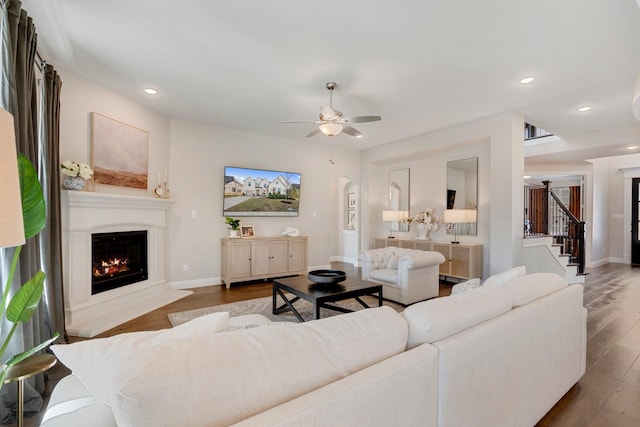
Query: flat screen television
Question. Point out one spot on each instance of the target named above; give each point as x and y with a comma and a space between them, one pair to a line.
260, 192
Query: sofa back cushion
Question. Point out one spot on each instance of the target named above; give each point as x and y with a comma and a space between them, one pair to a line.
502, 278
94, 361
233, 375
531, 287
438, 318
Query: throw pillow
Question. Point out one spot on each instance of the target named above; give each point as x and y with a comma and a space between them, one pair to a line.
505, 276
94, 361
465, 286
393, 262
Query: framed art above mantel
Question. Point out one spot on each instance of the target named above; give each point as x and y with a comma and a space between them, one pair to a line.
119, 153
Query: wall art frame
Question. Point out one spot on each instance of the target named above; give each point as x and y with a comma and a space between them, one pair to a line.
119, 153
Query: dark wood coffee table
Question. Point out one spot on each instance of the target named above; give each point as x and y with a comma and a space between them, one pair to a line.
321, 295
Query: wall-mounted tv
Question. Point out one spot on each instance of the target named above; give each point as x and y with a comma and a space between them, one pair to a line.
260, 192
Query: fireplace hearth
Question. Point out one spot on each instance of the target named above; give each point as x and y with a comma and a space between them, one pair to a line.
118, 259
85, 214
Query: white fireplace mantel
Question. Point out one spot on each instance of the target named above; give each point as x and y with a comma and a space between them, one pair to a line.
86, 213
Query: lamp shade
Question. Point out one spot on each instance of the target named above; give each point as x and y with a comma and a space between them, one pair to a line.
390, 216
460, 216
11, 224
330, 129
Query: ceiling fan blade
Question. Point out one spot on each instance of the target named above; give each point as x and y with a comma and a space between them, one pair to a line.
313, 132
351, 131
301, 121
362, 119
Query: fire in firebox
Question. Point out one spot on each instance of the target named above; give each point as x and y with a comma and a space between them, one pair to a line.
111, 267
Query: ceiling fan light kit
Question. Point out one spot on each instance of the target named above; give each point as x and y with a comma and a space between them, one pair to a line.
332, 122
330, 129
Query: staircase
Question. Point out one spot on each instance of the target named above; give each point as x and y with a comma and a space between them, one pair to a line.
542, 254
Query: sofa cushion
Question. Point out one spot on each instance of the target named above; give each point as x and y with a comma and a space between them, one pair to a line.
393, 262
94, 361
385, 275
458, 288
234, 375
530, 287
505, 276
435, 319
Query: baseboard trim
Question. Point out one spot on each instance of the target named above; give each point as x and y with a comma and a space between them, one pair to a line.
197, 283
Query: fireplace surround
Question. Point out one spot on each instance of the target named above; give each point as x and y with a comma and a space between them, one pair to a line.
85, 214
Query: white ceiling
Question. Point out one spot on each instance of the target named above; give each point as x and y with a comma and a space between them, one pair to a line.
422, 65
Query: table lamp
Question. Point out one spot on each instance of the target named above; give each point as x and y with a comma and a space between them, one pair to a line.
459, 216
11, 224
391, 217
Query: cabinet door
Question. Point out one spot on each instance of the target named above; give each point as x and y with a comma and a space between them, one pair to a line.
260, 257
444, 250
297, 255
407, 244
424, 246
279, 257
239, 260
380, 243
460, 257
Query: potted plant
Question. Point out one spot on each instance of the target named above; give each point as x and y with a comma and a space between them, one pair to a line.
234, 226
20, 307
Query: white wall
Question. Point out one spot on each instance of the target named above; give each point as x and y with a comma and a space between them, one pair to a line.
79, 97
614, 175
198, 155
194, 155
497, 142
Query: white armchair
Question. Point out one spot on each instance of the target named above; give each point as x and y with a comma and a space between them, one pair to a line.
407, 275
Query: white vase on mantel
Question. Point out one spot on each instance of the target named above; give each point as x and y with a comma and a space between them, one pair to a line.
234, 233
423, 233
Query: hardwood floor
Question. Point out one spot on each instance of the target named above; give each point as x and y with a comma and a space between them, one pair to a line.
607, 395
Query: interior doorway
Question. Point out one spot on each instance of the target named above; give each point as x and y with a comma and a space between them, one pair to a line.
635, 226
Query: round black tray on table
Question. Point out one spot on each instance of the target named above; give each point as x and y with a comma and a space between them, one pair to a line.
327, 276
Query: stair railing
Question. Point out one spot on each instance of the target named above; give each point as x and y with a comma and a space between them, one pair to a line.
547, 215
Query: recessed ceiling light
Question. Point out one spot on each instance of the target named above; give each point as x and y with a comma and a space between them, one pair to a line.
585, 108
632, 147
527, 80
527, 176
150, 91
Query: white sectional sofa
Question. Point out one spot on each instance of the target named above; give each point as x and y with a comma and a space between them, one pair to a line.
498, 355
407, 275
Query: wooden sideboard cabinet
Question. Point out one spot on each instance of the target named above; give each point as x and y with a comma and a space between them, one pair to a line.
261, 258
463, 261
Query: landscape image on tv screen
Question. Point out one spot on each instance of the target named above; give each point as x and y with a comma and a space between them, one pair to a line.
259, 192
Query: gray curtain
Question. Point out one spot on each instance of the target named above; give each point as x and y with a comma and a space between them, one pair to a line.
40, 144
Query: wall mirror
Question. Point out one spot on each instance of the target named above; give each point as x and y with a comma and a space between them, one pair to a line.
399, 196
462, 191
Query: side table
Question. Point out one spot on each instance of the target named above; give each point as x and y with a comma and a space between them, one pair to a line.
29, 367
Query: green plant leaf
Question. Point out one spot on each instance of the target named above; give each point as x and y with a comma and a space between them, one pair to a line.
33, 207
25, 302
20, 357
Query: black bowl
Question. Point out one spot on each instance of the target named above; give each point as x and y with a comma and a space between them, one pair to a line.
327, 276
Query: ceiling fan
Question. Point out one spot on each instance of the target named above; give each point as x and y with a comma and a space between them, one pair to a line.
332, 122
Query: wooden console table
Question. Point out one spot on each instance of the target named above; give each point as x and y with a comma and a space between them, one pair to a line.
463, 261
261, 258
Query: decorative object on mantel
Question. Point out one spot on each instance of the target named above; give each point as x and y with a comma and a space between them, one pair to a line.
161, 191
76, 175
234, 226
426, 222
327, 276
291, 232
